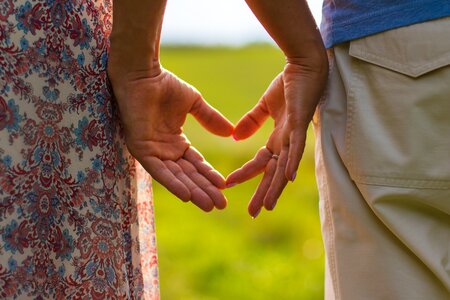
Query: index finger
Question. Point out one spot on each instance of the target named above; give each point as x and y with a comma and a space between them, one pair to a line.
252, 168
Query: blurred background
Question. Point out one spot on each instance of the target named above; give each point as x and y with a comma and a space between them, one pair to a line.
219, 47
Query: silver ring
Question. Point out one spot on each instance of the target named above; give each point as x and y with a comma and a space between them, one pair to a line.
275, 156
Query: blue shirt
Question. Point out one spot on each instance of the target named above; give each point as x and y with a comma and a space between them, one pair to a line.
345, 20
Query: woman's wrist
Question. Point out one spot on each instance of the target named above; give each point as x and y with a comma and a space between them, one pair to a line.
130, 62
135, 37
133, 56
124, 67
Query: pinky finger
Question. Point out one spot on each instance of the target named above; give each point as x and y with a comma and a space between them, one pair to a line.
257, 201
296, 148
159, 171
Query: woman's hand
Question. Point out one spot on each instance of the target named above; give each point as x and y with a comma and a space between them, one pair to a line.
290, 100
153, 108
153, 105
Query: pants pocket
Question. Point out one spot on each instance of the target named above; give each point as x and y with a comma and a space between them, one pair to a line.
398, 113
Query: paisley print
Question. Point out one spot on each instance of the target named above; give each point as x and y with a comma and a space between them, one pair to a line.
76, 210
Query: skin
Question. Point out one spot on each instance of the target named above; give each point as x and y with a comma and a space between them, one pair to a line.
153, 104
290, 100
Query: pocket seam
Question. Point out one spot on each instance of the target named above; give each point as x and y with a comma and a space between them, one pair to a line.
351, 107
414, 71
403, 182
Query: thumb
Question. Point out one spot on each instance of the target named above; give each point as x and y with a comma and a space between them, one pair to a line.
251, 121
211, 119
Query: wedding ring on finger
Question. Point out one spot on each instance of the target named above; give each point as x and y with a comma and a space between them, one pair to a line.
275, 156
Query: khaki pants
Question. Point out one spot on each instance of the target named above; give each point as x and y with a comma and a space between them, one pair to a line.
383, 166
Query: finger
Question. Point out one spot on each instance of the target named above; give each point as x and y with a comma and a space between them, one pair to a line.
210, 118
251, 121
297, 142
198, 196
251, 168
278, 183
204, 168
257, 200
213, 192
159, 171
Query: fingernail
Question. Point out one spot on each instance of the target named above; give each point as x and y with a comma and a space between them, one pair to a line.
231, 184
293, 176
256, 213
273, 205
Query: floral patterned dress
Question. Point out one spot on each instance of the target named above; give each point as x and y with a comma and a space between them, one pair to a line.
76, 213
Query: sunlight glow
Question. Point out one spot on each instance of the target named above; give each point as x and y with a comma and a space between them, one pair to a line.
216, 22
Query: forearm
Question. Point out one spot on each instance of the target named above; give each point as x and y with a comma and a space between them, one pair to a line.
292, 26
136, 33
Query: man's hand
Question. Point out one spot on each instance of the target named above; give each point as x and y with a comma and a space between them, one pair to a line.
153, 108
290, 100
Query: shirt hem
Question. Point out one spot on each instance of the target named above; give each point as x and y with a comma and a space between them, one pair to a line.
335, 33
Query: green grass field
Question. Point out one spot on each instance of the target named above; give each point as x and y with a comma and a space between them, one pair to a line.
226, 254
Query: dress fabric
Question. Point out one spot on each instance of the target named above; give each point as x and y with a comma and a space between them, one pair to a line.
76, 210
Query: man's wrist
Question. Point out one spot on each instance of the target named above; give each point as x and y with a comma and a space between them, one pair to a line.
310, 55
